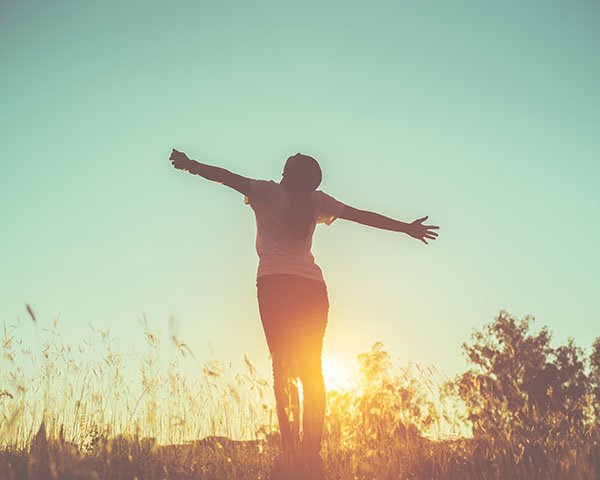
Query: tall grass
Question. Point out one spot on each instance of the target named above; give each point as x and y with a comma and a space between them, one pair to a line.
89, 391
89, 411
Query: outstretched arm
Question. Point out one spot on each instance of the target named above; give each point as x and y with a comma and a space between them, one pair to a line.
216, 174
415, 229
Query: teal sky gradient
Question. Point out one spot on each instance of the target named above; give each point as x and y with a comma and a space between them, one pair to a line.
483, 115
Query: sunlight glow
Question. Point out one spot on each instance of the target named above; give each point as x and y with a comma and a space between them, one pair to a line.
334, 375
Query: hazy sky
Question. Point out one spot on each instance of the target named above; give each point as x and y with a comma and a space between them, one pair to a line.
483, 115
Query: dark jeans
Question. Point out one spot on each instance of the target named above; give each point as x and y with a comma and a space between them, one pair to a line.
293, 311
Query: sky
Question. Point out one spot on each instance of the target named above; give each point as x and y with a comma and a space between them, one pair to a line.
483, 115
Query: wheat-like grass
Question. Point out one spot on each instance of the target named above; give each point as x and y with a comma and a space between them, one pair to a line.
89, 411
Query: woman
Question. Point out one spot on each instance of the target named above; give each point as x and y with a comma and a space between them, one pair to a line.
292, 294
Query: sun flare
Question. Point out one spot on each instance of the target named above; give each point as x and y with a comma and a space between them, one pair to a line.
334, 375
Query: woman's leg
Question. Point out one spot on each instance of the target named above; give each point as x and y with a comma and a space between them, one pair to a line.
313, 389
310, 370
294, 316
287, 403
275, 301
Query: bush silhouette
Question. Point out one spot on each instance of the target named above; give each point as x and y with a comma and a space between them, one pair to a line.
518, 382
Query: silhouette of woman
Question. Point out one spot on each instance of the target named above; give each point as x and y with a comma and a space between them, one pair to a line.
292, 294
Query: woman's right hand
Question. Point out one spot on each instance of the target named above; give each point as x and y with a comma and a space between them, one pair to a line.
421, 232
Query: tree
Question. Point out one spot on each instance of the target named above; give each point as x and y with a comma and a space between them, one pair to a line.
595, 379
518, 382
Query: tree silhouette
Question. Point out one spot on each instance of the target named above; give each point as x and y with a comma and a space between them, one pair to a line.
595, 379
519, 382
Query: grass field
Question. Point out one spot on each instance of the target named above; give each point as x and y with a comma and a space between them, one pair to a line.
88, 412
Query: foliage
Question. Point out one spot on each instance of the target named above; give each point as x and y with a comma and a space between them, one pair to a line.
595, 378
533, 409
518, 382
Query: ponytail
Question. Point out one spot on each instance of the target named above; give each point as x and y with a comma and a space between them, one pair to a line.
301, 176
300, 216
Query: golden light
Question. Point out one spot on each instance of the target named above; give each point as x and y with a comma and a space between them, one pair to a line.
334, 375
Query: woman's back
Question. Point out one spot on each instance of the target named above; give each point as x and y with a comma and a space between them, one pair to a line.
278, 250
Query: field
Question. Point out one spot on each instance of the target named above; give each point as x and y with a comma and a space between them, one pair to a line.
88, 412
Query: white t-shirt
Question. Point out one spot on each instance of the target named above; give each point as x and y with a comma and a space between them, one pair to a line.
277, 250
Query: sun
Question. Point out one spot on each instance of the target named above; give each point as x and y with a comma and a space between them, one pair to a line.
334, 375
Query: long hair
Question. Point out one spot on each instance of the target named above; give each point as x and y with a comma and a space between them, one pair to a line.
301, 176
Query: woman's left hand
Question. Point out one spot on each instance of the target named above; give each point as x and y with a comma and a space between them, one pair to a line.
180, 160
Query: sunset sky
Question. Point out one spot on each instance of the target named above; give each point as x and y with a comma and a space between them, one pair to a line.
483, 115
